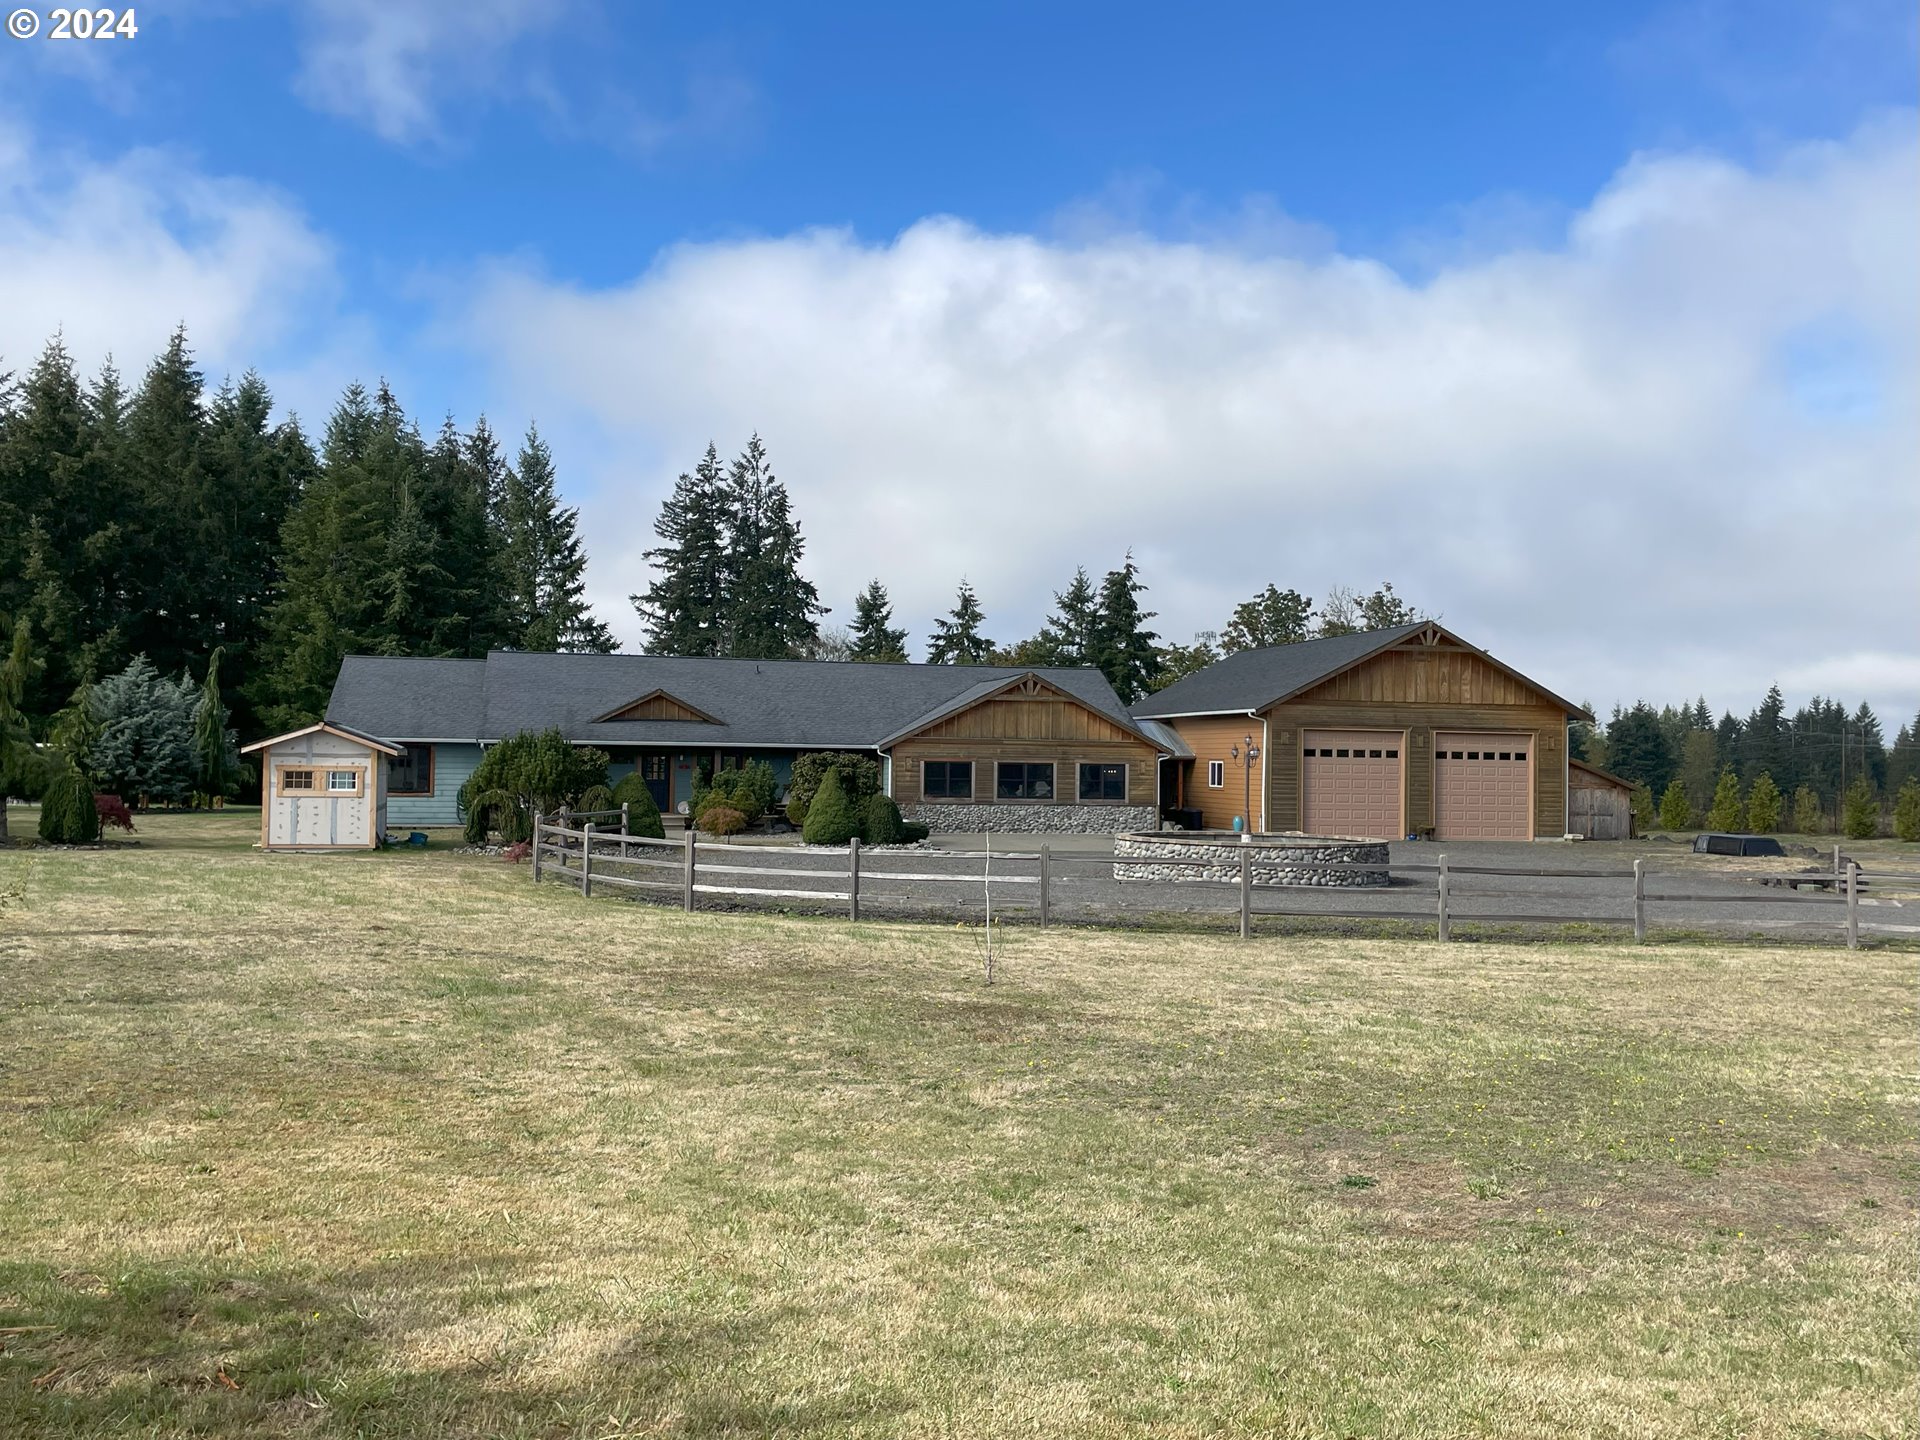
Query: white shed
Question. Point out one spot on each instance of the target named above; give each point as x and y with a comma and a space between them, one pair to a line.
323, 788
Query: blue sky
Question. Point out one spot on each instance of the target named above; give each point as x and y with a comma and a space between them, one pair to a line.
1101, 255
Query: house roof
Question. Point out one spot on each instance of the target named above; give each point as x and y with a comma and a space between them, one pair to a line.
345, 732
771, 703
1255, 679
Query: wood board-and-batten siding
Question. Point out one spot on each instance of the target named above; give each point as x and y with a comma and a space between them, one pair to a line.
1045, 726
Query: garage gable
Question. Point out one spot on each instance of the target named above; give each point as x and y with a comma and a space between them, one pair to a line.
1431, 667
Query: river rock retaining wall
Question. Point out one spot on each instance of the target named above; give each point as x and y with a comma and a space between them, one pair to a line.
1277, 859
1031, 819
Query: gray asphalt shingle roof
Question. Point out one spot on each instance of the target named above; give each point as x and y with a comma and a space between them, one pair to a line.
779, 703
1251, 679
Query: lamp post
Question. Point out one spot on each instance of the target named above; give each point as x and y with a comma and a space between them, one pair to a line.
1246, 752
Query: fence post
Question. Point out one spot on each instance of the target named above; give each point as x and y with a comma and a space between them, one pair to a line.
1836, 859
586, 860
625, 828
536, 846
1246, 894
1446, 926
1045, 854
853, 878
1640, 901
1853, 906
688, 901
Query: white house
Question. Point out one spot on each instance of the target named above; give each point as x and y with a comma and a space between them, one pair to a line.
323, 788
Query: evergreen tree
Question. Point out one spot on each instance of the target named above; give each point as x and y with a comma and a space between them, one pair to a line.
1644, 818
1906, 810
1676, 810
22, 766
1637, 747
1273, 617
1700, 761
685, 605
1807, 816
1868, 755
1726, 812
1763, 805
1861, 820
956, 639
1123, 647
1763, 739
146, 744
1068, 637
214, 745
546, 564
772, 611
874, 638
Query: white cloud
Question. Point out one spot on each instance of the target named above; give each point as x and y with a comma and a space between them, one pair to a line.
391, 66
114, 255
1590, 457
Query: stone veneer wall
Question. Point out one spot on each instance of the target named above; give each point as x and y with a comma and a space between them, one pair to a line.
1032, 819
1277, 859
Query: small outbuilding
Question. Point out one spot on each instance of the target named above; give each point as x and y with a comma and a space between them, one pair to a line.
323, 788
1599, 803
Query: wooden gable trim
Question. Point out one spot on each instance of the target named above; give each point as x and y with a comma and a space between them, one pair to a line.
669, 700
1432, 636
1027, 685
323, 728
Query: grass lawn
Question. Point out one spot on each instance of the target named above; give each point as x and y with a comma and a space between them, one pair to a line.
394, 1145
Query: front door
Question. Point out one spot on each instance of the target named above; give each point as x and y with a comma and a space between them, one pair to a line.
653, 770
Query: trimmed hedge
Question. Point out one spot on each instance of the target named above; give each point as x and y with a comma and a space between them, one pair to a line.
832, 818
882, 821
643, 815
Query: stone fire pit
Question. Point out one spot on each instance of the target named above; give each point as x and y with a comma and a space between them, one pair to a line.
1277, 859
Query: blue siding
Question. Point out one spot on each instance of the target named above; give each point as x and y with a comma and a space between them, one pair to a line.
452, 764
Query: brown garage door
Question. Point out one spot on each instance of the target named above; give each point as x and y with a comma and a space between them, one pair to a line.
1350, 783
1482, 785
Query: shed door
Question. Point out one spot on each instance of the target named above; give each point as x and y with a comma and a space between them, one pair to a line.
1350, 783
1482, 786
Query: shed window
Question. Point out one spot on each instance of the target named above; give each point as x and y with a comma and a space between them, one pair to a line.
1216, 774
343, 781
947, 780
411, 773
291, 780
1103, 782
1026, 780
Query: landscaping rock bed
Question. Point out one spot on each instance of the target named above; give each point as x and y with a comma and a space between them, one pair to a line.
1276, 859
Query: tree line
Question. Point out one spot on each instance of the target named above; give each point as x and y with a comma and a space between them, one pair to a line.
1802, 771
167, 521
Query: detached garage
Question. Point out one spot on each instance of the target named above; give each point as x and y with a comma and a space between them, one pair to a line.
1392, 733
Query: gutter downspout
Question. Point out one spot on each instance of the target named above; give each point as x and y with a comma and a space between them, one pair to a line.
1256, 715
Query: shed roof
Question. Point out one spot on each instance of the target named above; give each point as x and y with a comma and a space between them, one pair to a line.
345, 732
1607, 775
803, 704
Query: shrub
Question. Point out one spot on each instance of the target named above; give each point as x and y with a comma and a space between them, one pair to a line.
1763, 805
517, 852
832, 818
796, 808
1675, 808
67, 816
722, 820
113, 811
524, 773
145, 741
1862, 817
1644, 820
1809, 817
643, 814
1906, 810
859, 776
912, 833
881, 821
596, 797
1727, 813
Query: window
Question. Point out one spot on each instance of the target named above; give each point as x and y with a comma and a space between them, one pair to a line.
1032, 780
653, 767
1216, 774
1519, 754
1340, 754
343, 782
1393, 754
411, 773
1103, 782
295, 781
1373, 754
947, 780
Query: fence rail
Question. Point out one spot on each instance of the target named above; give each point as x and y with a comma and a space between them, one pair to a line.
584, 855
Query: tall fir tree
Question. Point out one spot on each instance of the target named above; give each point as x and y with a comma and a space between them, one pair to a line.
957, 637
685, 604
1123, 647
1068, 636
772, 610
545, 561
173, 543
874, 637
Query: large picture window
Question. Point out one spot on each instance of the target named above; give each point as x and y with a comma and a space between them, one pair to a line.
1025, 780
946, 780
1103, 783
411, 773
